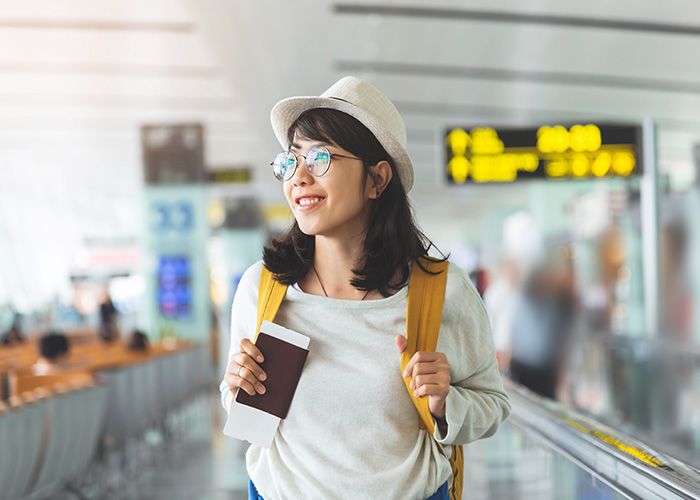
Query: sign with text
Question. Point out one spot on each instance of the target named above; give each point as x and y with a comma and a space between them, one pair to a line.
239, 175
556, 152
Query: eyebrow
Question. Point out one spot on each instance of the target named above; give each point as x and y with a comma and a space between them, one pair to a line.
322, 143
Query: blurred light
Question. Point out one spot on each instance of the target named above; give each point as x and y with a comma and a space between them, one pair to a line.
127, 292
522, 241
624, 274
620, 311
85, 299
216, 213
82, 258
219, 293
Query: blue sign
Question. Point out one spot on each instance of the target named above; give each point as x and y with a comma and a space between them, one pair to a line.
174, 290
172, 216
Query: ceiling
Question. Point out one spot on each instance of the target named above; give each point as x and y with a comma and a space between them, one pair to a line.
79, 78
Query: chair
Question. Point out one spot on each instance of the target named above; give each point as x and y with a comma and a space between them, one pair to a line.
90, 421
7, 423
29, 431
63, 435
118, 414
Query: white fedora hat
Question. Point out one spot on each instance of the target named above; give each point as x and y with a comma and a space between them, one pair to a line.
362, 101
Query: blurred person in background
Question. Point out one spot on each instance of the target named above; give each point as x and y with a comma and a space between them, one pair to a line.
53, 352
541, 326
13, 335
501, 298
138, 341
480, 279
599, 298
109, 329
676, 297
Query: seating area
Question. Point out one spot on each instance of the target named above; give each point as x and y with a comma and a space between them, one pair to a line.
54, 428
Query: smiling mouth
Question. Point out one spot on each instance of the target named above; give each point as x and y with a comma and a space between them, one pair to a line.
309, 202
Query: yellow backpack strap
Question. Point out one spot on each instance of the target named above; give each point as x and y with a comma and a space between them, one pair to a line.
270, 295
426, 293
457, 463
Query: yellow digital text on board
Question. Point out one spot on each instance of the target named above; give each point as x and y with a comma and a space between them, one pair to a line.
577, 152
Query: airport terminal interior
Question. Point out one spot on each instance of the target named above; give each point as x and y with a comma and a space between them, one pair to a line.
556, 156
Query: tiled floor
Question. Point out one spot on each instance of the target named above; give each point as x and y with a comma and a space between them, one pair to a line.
203, 464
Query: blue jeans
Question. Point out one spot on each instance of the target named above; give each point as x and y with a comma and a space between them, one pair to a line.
443, 493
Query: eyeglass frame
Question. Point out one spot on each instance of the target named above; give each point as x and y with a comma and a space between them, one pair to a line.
306, 163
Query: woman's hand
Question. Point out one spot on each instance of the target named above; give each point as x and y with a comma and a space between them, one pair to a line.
243, 371
430, 376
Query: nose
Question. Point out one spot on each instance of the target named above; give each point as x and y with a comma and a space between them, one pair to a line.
301, 174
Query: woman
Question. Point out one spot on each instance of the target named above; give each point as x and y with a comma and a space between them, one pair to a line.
352, 430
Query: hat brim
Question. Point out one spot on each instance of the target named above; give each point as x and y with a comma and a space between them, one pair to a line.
288, 110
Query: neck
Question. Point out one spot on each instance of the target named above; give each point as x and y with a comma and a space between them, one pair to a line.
334, 261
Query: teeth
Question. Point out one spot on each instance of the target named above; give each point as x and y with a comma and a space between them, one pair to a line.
308, 201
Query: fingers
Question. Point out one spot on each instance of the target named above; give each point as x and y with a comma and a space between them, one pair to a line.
251, 350
244, 372
430, 374
401, 343
425, 358
238, 382
430, 385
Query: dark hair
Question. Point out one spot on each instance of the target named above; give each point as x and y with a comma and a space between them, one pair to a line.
53, 345
138, 341
393, 240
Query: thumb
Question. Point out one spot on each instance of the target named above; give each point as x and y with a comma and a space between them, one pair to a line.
401, 343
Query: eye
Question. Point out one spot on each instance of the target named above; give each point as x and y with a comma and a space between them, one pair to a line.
317, 160
283, 165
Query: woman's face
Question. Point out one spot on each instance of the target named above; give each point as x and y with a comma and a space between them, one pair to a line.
335, 204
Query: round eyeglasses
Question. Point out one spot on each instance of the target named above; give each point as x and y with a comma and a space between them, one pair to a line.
318, 161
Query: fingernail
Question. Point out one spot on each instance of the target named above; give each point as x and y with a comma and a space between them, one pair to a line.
263, 377
261, 389
415, 393
412, 385
405, 374
260, 359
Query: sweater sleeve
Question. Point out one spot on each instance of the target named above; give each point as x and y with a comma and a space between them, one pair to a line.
243, 319
477, 402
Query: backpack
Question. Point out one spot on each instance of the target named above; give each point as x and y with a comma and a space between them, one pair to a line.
426, 292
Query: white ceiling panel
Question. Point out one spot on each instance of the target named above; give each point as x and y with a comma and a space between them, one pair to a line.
89, 11
121, 50
155, 87
445, 45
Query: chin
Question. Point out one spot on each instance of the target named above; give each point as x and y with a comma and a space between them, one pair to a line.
307, 229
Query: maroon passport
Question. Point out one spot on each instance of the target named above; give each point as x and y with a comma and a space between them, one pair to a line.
283, 364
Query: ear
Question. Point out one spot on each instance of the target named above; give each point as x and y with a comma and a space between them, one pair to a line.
382, 175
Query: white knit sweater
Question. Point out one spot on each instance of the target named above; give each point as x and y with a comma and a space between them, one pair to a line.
352, 430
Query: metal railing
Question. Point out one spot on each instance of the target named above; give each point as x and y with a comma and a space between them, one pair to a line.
627, 464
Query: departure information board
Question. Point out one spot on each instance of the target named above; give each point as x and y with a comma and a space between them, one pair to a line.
582, 151
174, 288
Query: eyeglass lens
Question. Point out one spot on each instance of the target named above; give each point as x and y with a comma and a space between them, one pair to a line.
318, 159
